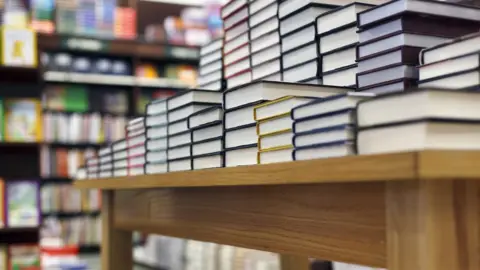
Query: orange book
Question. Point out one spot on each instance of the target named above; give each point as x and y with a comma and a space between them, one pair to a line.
62, 162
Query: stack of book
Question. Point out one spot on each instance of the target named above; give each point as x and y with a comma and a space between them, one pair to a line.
393, 34
240, 132
299, 49
180, 107
326, 128
265, 40
337, 42
274, 129
105, 160
454, 65
120, 163
136, 146
92, 166
156, 137
441, 119
211, 66
207, 138
236, 51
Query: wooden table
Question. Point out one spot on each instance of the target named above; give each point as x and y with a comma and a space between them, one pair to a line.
405, 211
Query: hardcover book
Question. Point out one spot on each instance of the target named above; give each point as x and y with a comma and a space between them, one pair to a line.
23, 204
23, 120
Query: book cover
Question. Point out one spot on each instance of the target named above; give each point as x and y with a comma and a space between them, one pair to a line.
24, 257
3, 258
23, 120
22, 198
2, 207
2, 119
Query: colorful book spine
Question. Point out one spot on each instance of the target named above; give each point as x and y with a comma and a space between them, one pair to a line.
23, 120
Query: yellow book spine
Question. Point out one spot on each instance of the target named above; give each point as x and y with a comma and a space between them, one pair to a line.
270, 119
278, 148
260, 137
267, 104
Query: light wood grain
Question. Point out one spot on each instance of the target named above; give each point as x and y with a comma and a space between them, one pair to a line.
433, 225
290, 262
344, 222
431, 165
116, 248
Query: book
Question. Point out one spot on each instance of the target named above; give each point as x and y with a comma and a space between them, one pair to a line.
324, 135
274, 124
236, 55
287, 8
266, 26
431, 103
325, 150
264, 41
212, 46
307, 71
153, 168
337, 39
457, 47
335, 118
232, 6
281, 154
240, 156
258, 16
181, 164
214, 145
299, 55
209, 68
155, 132
207, 116
449, 66
275, 140
207, 132
270, 90
180, 139
3, 257
301, 36
213, 86
178, 152
300, 16
177, 127
236, 30
241, 78
239, 136
236, 43
337, 59
266, 68
156, 156
258, 5
2, 206
24, 257
391, 87
467, 79
419, 134
404, 55
209, 58
386, 74
23, 120
340, 17
191, 96
156, 120
237, 67
278, 106
22, 202
427, 7
157, 106
345, 76
184, 111
207, 161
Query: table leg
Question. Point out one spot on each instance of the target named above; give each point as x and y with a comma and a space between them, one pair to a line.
291, 262
433, 225
116, 248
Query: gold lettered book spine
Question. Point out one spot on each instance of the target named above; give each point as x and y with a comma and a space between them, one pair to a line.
265, 104
278, 148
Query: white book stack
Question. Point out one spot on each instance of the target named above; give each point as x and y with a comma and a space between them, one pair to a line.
436, 119
207, 138
211, 66
454, 65
136, 146
393, 34
240, 133
105, 161
156, 145
300, 59
236, 49
265, 40
92, 166
326, 128
120, 163
180, 107
337, 42
274, 129
347, 266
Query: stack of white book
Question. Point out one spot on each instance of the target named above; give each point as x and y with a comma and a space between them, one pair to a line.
435, 119
392, 35
156, 145
136, 146
92, 166
180, 107
300, 57
207, 138
265, 40
337, 43
105, 160
454, 65
120, 164
347, 266
211, 66
274, 128
240, 135
326, 128
236, 51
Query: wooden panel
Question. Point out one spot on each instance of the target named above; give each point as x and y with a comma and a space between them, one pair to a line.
433, 225
343, 222
449, 165
346, 169
289, 262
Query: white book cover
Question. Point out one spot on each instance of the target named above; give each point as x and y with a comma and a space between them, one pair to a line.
340, 17
212, 46
298, 37
237, 67
239, 79
338, 39
241, 136
208, 162
281, 155
267, 54
263, 14
301, 72
386, 75
301, 18
232, 6
241, 156
339, 59
265, 27
341, 77
266, 40
300, 55
266, 69
453, 65
194, 96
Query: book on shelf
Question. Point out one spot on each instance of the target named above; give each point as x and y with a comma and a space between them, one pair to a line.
279, 106
207, 116
263, 70
62, 198
259, 15
325, 150
154, 168
200, 96
231, 6
275, 155
179, 139
275, 140
212, 46
22, 120
329, 119
3, 257
156, 107
267, 53
298, 37
341, 17
449, 66
62, 162
236, 17
293, 17
180, 164
241, 155
344, 132
404, 55
184, 111
207, 161
2, 204
265, 27
209, 146
386, 74
281, 122
74, 231
24, 257
240, 115
22, 200
203, 133
239, 78
466, 80
457, 47
307, 72
239, 136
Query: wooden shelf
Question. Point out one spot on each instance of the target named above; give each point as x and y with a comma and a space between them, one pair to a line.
417, 210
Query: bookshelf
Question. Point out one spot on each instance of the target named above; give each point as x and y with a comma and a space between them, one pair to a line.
414, 210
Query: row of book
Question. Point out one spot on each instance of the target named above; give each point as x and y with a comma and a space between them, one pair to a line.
76, 231
20, 257
62, 162
65, 199
19, 204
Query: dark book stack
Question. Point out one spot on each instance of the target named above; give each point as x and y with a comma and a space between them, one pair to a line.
211, 66
156, 122
136, 146
454, 65
105, 160
326, 128
337, 41
207, 138
120, 164
236, 49
180, 107
300, 59
265, 40
392, 36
